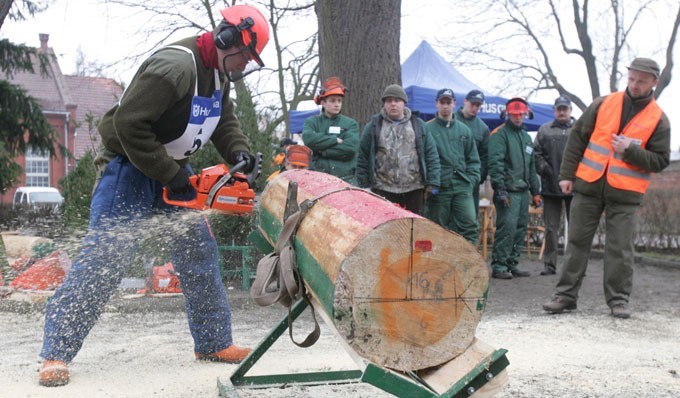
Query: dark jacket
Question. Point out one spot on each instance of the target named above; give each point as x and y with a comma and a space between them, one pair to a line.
457, 151
653, 158
154, 110
511, 160
549, 147
425, 145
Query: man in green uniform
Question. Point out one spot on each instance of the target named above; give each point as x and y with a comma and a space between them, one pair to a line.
613, 148
453, 207
513, 176
331, 136
467, 114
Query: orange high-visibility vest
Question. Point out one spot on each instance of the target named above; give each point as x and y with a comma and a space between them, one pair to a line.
599, 157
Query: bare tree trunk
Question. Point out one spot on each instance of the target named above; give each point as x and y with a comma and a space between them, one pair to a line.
359, 42
5, 5
665, 77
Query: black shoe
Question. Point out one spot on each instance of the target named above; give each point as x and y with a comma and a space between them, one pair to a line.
621, 311
519, 273
548, 271
501, 275
559, 304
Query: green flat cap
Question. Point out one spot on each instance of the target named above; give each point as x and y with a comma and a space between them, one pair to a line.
645, 65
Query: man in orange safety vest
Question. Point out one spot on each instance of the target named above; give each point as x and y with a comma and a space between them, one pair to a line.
611, 152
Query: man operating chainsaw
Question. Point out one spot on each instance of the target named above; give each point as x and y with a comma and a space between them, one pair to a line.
176, 102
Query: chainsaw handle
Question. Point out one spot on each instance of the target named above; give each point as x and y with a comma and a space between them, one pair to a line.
192, 204
238, 167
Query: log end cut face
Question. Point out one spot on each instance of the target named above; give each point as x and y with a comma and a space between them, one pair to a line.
410, 295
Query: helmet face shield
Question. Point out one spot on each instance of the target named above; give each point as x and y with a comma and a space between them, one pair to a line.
245, 64
252, 47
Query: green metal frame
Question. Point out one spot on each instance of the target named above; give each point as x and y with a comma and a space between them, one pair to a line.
406, 384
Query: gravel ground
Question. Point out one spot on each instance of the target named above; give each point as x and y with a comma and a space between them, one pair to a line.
142, 347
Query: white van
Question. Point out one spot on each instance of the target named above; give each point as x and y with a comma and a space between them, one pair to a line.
34, 197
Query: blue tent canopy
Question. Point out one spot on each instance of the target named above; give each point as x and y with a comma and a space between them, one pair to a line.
423, 74
297, 119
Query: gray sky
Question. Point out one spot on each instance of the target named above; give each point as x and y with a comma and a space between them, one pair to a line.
103, 35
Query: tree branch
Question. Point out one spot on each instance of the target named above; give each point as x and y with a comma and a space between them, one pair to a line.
665, 77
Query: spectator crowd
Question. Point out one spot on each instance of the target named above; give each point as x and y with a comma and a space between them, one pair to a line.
436, 169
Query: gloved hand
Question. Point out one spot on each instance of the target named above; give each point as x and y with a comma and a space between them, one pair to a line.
500, 198
249, 158
431, 190
179, 184
537, 201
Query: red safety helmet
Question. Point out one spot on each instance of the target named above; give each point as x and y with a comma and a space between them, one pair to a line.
332, 86
252, 25
516, 106
299, 155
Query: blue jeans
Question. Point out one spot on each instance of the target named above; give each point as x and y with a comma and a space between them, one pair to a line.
126, 205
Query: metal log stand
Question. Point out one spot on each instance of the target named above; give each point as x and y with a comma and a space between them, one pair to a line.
396, 383
400, 384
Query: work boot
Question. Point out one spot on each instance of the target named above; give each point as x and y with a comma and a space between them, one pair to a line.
501, 274
518, 273
548, 270
53, 373
621, 311
558, 304
231, 354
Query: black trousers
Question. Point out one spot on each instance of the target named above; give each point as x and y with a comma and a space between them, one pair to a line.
413, 201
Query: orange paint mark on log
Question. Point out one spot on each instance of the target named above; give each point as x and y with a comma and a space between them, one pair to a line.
416, 302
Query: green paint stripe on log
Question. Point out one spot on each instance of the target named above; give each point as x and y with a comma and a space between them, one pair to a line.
316, 278
270, 224
311, 271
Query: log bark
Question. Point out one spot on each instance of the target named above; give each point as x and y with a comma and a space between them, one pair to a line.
403, 292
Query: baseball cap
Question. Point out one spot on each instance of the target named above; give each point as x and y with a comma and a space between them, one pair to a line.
445, 92
645, 65
475, 96
562, 101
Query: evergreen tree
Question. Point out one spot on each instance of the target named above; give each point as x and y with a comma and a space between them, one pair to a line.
22, 122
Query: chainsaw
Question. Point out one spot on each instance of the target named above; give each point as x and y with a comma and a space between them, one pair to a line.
221, 189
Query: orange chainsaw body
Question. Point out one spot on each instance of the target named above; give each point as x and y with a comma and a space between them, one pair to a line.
233, 197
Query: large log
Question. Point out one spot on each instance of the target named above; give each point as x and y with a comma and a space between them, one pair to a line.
403, 292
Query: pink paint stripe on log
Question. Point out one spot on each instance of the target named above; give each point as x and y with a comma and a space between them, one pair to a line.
358, 205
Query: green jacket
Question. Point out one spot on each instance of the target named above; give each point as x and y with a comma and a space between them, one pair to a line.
481, 133
425, 145
511, 160
320, 134
653, 158
458, 155
154, 110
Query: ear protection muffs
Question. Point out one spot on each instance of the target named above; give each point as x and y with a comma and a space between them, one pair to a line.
230, 35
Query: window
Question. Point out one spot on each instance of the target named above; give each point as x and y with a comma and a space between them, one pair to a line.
37, 168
